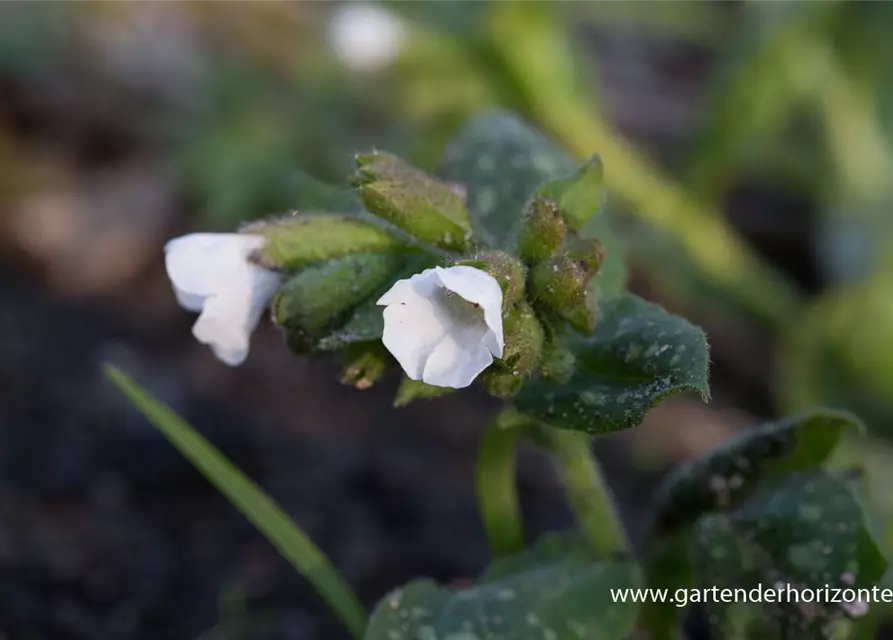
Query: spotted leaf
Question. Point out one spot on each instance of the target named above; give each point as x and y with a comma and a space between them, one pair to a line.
731, 472
638, 355
805, 532
555, 591
501, 163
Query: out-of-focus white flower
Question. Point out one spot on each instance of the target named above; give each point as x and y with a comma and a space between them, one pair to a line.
366, 36
212, 274
444, 326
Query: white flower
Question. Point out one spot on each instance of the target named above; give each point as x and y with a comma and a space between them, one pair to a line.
444, 326
212, 274
366, 37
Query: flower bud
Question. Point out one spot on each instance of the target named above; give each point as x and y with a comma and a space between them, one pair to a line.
523, 346
421, 205
314, 300
589, 253
411, 390
297, 241
558, 362
542, 232
505, 269
562, 286
363, 364
580, 195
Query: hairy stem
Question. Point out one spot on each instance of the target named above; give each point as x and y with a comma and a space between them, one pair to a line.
589, 495
496, 491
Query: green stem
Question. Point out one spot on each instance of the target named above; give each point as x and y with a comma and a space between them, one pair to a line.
264, 513
588, 493
496, 491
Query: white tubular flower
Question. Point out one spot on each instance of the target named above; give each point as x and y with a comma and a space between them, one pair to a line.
444, 326
365, 36
211, 274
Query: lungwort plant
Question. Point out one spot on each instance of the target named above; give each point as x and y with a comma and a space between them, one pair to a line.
502, 272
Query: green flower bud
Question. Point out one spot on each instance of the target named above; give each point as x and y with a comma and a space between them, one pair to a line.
580, 195
363, 364
507, 270
562, 286
589, 253
558, 362
421, 205
542, 232
523, 346
411, 390
301, 240
316, 299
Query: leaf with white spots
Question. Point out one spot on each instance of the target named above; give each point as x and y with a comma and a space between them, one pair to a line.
725, 476
806, 531
501, 162
555, 591
638, 355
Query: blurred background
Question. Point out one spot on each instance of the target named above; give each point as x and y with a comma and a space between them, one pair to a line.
749, 166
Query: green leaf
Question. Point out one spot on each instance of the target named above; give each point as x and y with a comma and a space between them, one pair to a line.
247, 497
806, 531
500, 161
555, 590
638, 355
579, 195
297, 241
728, 474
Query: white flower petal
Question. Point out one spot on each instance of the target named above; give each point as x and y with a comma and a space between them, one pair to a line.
215, 327
457, 361
422, 284
189, 301
198, 262
413, 325
212, 273
480, 288
444, 325
493, 341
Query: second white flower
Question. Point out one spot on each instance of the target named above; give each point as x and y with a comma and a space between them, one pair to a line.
444, 326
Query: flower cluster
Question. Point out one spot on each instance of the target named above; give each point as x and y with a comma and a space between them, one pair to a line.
448, 309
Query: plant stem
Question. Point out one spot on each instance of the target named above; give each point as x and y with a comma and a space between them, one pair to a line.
588, 493
263, 512
496, 490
